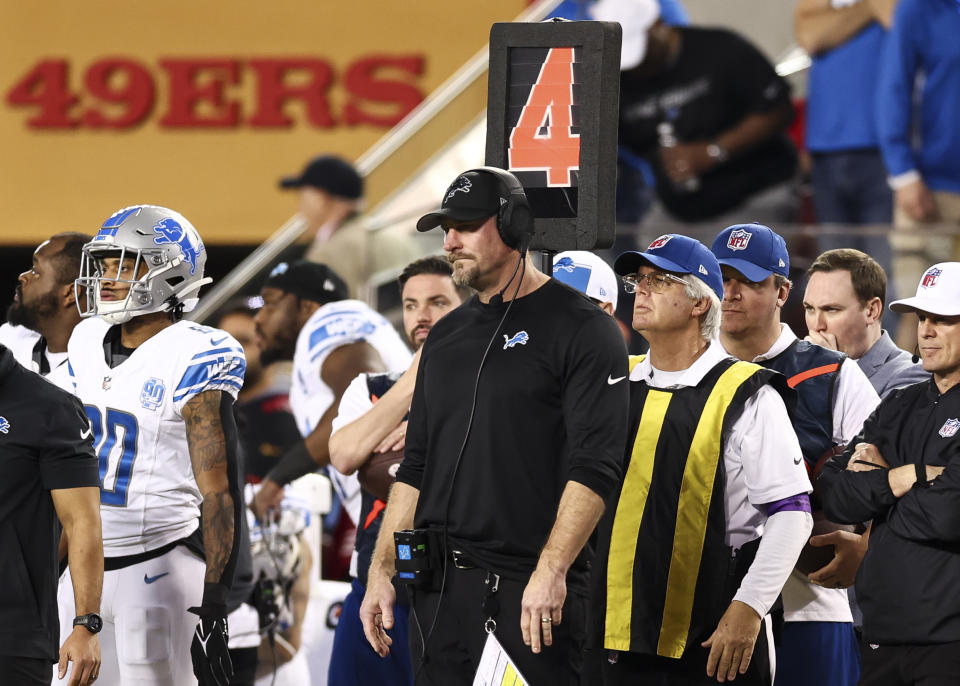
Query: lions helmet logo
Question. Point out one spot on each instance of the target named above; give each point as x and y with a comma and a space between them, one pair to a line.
170, 231
930, 278
659, 242
461, 185
739, 239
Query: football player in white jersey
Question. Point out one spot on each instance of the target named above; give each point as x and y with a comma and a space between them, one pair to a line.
307, 317
159, 392
44, 311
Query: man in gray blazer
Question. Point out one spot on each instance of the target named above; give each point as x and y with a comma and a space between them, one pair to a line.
843, 303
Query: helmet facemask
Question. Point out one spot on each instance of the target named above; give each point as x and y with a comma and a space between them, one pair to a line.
167, 280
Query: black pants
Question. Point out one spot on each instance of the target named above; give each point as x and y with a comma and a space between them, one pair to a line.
456, 643
910, 665
244, 662
25, 671
690, 670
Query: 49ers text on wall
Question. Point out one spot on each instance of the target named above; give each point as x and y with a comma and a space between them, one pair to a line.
122, 93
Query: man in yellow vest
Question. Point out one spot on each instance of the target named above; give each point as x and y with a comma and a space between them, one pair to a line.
714, 506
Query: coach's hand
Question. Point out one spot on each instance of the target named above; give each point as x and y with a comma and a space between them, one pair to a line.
82, 649
211, 658
542, 605
731, 644
376, 611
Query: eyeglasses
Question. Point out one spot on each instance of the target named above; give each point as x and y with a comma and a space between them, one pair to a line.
657, 282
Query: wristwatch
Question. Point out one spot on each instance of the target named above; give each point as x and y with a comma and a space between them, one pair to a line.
91, 622
717, 152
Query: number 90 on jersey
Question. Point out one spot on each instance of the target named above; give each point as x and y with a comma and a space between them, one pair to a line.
552, 109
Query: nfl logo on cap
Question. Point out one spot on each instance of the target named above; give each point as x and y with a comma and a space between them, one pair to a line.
930, 277
739, 239
659, 242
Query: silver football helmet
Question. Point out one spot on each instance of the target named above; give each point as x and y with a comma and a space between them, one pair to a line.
164, 258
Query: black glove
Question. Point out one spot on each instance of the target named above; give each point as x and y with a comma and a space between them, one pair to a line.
211, 657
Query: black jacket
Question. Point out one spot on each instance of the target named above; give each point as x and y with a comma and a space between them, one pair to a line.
45, 444
907, 585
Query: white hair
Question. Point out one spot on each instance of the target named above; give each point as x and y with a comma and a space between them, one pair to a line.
695, 289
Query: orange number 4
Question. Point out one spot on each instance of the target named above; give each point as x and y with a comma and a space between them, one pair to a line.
542, 139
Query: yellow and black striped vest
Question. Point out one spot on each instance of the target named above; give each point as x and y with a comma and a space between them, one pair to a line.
663, 572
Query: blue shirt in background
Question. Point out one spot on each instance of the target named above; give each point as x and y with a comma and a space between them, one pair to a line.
841, 93
925, 37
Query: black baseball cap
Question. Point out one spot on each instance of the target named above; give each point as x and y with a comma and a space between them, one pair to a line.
308, 280
330, 173
473, 195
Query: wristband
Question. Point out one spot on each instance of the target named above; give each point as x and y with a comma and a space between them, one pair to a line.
295, 463
214, 602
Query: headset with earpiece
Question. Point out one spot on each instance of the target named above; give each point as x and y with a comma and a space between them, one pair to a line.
514, 218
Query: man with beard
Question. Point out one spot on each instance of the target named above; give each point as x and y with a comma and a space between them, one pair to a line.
514, 440
43, 312
372, 421
307, 317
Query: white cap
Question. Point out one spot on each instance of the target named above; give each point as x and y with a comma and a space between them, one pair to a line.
636, 17
588, 274
937, 293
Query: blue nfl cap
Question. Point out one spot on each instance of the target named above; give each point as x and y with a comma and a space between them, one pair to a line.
675, 253
754, 250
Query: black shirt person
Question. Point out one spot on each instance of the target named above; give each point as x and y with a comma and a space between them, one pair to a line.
50, 475
541, 452
706, 109
903, 472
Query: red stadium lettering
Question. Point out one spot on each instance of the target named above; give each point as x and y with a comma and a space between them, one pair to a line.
363, 85
135, 93
193, 104
122, 93
274, 90
542, 140
46, 87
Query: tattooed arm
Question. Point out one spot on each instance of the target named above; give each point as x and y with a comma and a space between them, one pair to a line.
210, 436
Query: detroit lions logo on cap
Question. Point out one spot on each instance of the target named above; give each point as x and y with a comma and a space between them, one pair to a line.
564, 264
659, 242
930, 278
461, 185
170, 231
949, 428
4, 425
739, 239
279, 269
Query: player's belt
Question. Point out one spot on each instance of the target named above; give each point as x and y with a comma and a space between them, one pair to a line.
462, 561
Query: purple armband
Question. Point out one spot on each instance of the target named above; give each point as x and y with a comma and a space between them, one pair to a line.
795, 503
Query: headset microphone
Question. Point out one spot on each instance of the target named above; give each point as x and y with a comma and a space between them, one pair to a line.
916, 353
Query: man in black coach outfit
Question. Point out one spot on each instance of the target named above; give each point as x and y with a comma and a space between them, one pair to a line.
903, 472
518, 478
50, 476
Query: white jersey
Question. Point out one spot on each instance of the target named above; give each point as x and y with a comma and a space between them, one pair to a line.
24, 343
148, 493
333, 325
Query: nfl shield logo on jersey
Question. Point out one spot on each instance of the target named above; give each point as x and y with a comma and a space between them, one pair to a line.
930, 278
949, 428
152, 393
739, 239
